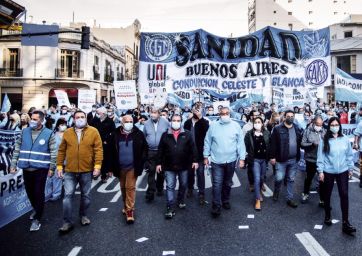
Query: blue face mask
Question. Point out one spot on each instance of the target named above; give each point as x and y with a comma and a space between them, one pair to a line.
33, 124
334, 129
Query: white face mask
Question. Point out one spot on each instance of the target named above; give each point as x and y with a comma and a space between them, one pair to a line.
245, 119
80, 123
128, 126
317, 128
225, 119
62, 128
257, 127
175, 125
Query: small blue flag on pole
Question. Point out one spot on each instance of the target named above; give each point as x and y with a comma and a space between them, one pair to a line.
6, 104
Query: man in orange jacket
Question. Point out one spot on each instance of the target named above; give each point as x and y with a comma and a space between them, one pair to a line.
80, 153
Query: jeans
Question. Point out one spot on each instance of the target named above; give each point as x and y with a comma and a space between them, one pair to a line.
71, 179
290, 167
259, 170
55, 184
342, 184
311, 169
200, 178
221, 176
34, 182
153, 184
171, 184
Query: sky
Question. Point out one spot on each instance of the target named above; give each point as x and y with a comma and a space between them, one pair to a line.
220, 17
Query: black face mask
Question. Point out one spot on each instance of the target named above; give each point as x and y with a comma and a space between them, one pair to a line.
290, 120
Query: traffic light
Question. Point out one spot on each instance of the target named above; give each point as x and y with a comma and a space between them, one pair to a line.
85, 37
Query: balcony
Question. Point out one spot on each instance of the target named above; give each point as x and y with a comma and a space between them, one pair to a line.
7, 72
108, 76
61, 73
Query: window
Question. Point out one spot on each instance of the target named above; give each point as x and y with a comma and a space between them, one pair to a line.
310, 23
69, 63
335, 13
275, 23
310, 12
289, 1
348, 34
335, 1
290, 25
275, 11
309, 0
290, 13
334, 37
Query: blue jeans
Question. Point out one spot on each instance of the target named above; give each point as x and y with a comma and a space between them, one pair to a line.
170, 177
259, 170
71, 179
222, 180
200, 173
290, 167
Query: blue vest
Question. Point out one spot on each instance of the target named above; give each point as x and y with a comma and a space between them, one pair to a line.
35, 155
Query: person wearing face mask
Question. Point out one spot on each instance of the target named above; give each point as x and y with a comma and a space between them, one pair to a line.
285, 154
328, 116
310, 141
80, 156
343, 115
257, 143
197, 126
63, 113
224, 145
105, 127
13, 123
24, 121
176, 153
128, 147
35, 153
54, 182
335, 163
153, 130
91, 116
210, 111
357, 145
141, 122
113, 117
274, 121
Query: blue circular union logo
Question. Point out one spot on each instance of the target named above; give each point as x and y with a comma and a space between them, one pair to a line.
123, 102
158, 47
316, 72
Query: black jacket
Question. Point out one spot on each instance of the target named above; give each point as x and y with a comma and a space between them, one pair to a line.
91, 119
279, 146
249, 144
140, 150
176, 156
104, 128
201, 128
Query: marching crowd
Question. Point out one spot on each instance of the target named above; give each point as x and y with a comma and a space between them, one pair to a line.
66, 147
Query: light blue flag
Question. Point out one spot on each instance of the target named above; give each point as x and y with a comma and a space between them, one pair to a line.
6, 104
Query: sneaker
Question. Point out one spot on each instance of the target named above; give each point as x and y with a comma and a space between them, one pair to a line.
189, 193
32, 215
215, 211
169, 213
275, 196
67, 227
226, 206
305, 198
35, 226
130, 217
292, 204
160, 193
328, 220
348, 229
257, 205
182, 205
84, 220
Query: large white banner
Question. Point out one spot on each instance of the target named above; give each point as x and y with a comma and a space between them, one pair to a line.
86, 99
62, 98
257, 63
347, 88
125, 94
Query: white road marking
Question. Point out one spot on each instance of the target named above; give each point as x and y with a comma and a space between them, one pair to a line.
268, 192
116, 197
251, 216
244, 227
335, 221
313, 192
75, 251
311, 245
168, 253
103, 209
142, 239
318, 227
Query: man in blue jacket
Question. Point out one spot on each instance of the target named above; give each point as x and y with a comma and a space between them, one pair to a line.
285, 154
224, 144
35, 153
